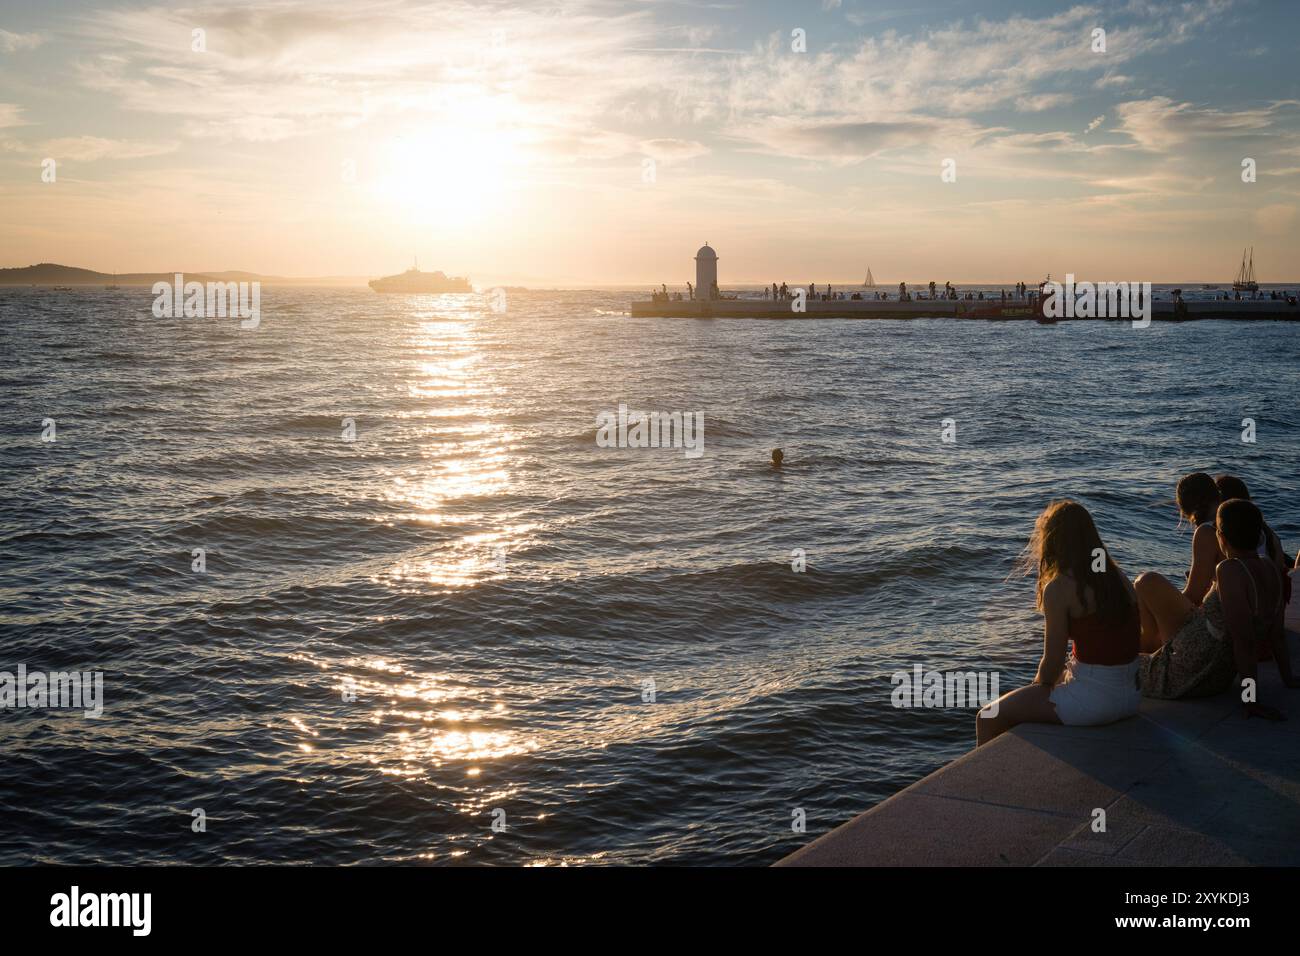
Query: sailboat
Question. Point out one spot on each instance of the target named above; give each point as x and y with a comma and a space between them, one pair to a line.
1245, 281
869, 282
113, 287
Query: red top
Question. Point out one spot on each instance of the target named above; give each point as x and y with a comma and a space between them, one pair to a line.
1096, 642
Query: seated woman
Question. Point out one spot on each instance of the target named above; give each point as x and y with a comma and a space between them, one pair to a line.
1202, 648
1270, 545
1198, 497
1270, 548
1087, 599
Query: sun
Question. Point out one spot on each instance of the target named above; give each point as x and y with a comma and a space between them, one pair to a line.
451, 174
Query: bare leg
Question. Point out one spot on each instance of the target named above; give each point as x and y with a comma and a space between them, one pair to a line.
1150, 640
1023, 705
1164, 609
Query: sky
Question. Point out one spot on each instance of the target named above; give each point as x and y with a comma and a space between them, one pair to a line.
601, 142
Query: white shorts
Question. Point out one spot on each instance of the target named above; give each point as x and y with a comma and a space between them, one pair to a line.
1091, 694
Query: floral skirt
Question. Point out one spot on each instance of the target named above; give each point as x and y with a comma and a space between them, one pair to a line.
1192, 663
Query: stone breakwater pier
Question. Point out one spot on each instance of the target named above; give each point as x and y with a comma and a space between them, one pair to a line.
985, 309
1052, 302
1184, 783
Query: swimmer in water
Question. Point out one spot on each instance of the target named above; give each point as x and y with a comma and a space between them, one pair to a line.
777, 456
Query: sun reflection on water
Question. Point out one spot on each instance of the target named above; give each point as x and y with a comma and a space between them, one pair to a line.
464, 452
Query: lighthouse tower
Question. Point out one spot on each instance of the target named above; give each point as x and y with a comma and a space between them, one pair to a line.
706, 273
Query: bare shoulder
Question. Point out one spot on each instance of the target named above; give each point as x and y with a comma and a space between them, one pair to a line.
1060, 592
1230, 571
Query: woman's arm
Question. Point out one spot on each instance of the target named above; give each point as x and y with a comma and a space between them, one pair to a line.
1056, 631
1205, 556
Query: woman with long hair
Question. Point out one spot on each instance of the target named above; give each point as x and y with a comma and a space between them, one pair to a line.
1202, 647
1085, 599
1198, 497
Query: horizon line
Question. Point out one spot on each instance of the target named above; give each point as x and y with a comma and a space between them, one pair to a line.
569, 282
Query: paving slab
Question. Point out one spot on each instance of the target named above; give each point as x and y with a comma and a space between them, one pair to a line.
1186, 783
915, 829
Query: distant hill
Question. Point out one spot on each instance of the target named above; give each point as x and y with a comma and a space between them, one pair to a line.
50, 273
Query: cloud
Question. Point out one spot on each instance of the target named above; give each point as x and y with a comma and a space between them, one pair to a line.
291, 68
1160, 124
586, 95
11, 114
1110, 79
1038, 102
89, 149
301, 67
14, 42
673, 150
1037, 142
846, 142
952, 74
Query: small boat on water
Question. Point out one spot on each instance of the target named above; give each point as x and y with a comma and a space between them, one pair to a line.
417, 282
1245, 281
869, 282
